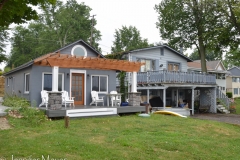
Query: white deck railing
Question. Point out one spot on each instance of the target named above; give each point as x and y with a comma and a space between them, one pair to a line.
175, 77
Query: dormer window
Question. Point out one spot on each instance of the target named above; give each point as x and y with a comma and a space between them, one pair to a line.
79, 50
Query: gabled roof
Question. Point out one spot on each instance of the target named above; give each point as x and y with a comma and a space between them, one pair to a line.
214, 64
162, 46
196, 65
32, 61
211, 66
59, 50
234, 67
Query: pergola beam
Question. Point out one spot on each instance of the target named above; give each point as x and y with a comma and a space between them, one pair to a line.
68, 61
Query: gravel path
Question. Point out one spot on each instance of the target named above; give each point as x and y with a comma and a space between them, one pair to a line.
227, 118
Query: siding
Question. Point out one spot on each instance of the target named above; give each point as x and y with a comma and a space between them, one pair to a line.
36, 81
168, 56
90, 52
16, 84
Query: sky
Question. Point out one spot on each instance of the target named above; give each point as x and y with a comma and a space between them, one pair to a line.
113, 14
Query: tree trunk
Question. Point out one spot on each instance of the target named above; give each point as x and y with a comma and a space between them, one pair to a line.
203, 56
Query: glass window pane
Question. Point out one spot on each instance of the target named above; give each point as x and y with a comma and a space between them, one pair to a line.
79, 51
103, 84
60, 82
47, 82
95, 83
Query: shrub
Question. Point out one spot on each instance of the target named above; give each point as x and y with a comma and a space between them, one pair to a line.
20, 108
229, 94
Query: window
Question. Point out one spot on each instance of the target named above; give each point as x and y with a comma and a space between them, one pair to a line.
26, 87
149, 65
220, 76
223, 88
100, 83
173, 66
79, 50
235, 90
47, 82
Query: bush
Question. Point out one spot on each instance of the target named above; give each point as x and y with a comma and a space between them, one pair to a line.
229, 94
20, 108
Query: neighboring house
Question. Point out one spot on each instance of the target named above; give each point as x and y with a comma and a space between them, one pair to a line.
233, 81
165, 74
213, 67
77, 68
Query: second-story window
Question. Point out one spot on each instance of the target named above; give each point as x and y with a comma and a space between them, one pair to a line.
173, 66
149, 65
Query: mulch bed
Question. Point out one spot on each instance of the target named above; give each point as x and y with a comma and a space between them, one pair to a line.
227, 118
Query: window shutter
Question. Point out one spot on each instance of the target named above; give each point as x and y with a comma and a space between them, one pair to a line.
156, 65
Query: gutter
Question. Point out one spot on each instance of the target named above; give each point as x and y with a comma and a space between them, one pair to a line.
19, 68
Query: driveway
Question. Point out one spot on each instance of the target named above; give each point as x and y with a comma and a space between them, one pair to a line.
227, 118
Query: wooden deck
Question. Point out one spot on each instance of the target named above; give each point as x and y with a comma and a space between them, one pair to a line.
89, 111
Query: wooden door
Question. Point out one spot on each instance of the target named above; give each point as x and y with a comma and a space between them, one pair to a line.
77, 88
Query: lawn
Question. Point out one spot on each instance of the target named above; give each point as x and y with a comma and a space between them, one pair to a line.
126, 137
237, 101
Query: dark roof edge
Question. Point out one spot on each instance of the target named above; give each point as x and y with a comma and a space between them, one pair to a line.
19, 68
82, 42
188, 59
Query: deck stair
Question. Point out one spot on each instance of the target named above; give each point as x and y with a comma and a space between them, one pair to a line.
222, 109
91, 112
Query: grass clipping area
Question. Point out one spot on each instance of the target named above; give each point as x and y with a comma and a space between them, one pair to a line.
127, 137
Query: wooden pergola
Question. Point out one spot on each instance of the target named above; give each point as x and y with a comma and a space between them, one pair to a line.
69, 61
57, 60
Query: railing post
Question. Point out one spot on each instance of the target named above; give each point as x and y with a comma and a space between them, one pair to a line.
164, 75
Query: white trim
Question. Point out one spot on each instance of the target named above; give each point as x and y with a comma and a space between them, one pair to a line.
99, 83
26, 92
85, 80
76, 46
51, 74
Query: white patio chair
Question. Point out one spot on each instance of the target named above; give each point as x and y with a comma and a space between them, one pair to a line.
115, 99
66, 99
96, 99
44, 97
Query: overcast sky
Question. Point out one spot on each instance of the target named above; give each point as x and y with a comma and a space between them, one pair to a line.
113, 14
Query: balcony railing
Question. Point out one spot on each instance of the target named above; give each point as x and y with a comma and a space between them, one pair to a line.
165, 76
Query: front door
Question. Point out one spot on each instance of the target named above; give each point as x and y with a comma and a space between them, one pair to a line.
77, 88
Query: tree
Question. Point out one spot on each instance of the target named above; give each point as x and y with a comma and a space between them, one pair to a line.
70, 22
59, 25
210, 56
128, 38
190, 22
20, 11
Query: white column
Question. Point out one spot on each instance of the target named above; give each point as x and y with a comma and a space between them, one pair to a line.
134, 81
192, 101
177, 98
55, 78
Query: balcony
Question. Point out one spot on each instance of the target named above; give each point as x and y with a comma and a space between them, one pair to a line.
164, 76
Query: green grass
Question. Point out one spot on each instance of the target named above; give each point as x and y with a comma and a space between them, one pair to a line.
120, 138
237, 101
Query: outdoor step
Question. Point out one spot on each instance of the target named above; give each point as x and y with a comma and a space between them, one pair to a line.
225, 111
221, 107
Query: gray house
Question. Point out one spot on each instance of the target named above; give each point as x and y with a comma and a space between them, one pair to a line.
77, 68
165, 74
